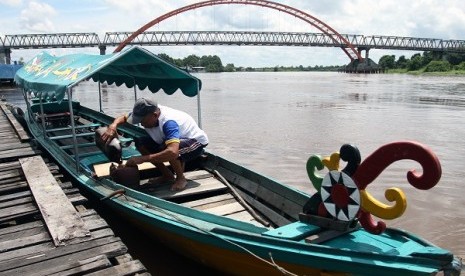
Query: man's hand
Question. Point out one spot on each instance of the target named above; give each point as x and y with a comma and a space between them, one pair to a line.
134, 161
109, 134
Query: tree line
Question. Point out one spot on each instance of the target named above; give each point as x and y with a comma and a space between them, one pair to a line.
426, 62
210, 63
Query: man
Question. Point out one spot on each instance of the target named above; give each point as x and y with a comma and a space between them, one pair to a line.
173, 136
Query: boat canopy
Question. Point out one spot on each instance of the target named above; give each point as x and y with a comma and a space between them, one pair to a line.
50, 76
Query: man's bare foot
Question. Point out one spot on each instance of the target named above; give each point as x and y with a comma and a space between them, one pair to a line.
160, 180
179, 185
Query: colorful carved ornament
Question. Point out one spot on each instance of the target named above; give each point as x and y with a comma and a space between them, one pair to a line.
342, 193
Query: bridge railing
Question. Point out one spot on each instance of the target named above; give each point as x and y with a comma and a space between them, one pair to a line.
59, 40
67, 40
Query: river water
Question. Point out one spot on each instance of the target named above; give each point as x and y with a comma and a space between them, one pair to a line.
273, 122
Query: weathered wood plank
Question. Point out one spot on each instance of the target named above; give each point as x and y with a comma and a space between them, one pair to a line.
17, 153
244, 216
64, 223
24, 241
205, 202
15, 202
13, 196
42, 248
279, 201
9, 165
193, 187
15, 145
79, 267
15, 186
10, 173
21, 227
63, 254
266, 211
16, 211
18, 128
26, 252
128, 268
226, 209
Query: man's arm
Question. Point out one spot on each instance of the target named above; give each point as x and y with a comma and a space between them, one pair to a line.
111, 130
171, 152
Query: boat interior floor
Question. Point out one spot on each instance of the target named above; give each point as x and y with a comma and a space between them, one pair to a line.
203, 191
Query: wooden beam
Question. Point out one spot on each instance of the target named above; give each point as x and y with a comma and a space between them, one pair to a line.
64, 223
22, 134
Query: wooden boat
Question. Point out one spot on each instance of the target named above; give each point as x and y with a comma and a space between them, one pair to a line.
229, 217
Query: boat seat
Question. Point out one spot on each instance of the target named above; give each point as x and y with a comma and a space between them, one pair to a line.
68, 136
93, 125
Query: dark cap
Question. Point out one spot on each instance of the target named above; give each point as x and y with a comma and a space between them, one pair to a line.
142, 107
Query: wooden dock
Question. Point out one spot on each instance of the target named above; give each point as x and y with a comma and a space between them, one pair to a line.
45, 227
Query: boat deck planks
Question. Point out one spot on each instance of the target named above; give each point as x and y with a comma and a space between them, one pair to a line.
26, 244
198, 182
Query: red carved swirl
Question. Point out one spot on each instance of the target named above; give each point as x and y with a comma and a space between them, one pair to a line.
372, 226
379, 160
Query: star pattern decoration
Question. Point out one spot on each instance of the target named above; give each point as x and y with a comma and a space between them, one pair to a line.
340, 195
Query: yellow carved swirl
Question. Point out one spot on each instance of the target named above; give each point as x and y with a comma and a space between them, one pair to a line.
381, 210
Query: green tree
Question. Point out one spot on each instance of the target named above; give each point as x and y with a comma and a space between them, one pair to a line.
211, 63
229, 67
438, 66
461, 66
387, 62
414, 63
166, 58
427, 58
401, 62
455, 58
191, 60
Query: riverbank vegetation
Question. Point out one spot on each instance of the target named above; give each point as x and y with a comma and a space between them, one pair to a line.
426, 63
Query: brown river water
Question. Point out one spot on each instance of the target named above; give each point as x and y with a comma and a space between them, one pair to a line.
273, 122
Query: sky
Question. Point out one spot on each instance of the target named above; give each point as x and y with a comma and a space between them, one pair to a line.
440, 19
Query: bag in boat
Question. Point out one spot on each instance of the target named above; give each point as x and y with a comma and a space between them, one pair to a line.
113, 150
125, 175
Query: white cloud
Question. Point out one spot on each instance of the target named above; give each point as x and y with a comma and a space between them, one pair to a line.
443, 19
11, 3
36, 17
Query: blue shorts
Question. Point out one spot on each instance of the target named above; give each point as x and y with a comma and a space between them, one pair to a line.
189, 149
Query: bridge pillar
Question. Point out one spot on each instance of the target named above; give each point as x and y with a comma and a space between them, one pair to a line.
5, 57
102, 48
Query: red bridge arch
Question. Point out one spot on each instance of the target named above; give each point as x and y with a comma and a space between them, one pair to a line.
349, 49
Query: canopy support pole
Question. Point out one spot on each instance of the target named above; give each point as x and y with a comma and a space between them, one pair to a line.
135, 91
100, 96
73, 128
42, 116
199, 109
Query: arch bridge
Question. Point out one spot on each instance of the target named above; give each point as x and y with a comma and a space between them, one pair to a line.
352, 45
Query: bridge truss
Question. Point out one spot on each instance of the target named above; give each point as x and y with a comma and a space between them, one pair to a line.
158, 38
59, 40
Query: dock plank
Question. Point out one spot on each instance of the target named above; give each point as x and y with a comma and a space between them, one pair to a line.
26, 243
64, 223
22, 134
